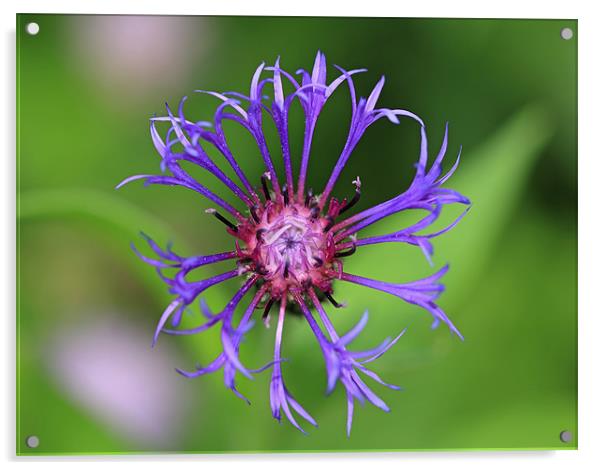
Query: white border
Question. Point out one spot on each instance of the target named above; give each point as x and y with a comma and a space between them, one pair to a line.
590, 171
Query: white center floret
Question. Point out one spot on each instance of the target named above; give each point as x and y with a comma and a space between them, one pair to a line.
290, 246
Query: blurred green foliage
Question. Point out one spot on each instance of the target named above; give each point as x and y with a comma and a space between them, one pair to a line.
508, 90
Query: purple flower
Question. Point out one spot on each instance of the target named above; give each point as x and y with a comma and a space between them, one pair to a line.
288, 243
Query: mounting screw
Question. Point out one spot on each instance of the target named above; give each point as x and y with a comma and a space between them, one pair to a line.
32, 442
566, 33
566, 436
32, 28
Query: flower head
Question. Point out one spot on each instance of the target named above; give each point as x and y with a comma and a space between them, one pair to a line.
289, 244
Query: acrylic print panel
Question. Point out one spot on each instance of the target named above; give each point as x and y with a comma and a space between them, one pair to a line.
288, 245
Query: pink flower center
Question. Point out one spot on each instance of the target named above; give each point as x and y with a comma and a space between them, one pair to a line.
290, 249
292, 245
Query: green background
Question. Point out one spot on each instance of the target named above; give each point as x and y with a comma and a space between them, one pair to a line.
85, 93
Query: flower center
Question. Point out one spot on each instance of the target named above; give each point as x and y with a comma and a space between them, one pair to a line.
290, 250
291, 246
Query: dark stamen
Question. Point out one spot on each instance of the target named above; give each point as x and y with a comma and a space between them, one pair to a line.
259, 234
332, 301
356, 196
264, 185
266, 313
268, 307
253, 211
319, 261
285, 194
260, 269
310, 195
285, 273
349, 252
222, 219
330, 223
315, 211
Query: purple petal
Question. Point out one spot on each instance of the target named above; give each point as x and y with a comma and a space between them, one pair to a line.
164, 317
228, 101
301, 411
158, 143
232, 355
373, 98
369, 394
383, 348
255, 93
278, 93
356, 330
337, 81
132, 178
350, 402
204, 327
318, 74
